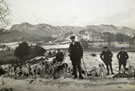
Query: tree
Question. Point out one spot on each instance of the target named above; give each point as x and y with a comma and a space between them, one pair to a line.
22, 51
4, 13
108, 37
69, 33
123, 38
120, 38
84, 43
40, 50
82, 32
36, 51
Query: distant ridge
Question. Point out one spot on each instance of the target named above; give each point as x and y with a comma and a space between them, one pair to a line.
40, 31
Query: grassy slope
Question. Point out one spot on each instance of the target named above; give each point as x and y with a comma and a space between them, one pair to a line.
7, 57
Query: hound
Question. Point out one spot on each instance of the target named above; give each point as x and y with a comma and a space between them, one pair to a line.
101, 72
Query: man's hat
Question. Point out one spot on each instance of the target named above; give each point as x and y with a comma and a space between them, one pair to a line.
72, 37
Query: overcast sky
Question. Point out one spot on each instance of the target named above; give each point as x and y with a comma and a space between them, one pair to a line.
73, 12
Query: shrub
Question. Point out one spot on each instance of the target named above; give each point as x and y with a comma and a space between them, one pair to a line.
22, 51
36, 51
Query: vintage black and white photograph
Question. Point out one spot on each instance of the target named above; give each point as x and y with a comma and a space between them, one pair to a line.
67, 45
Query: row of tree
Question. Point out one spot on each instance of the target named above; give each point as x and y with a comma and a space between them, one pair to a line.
119, 37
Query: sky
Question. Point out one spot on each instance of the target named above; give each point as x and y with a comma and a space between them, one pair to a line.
73, 12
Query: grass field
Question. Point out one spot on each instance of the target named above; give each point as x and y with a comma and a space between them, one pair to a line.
7, 57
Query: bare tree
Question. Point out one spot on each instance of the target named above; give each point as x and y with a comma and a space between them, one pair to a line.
4, 13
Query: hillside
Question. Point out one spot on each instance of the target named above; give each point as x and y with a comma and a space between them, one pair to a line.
111, 28
26, 31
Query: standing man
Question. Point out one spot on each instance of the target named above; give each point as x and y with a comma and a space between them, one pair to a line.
76, 53
106, 56
122, 57
59, 56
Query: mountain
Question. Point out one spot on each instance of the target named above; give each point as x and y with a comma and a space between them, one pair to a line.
38, 30
27, 31
111, 29
43, 29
